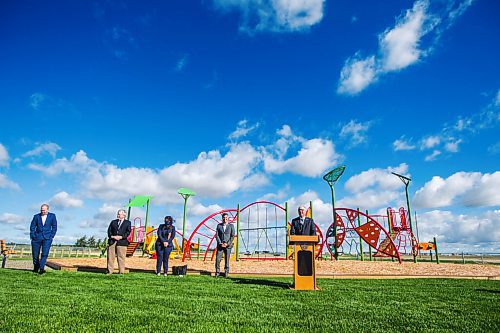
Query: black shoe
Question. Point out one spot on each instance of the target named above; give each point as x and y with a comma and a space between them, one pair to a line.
35, 270
42, 271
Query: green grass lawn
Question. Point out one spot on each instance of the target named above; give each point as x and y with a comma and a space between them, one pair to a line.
88, 302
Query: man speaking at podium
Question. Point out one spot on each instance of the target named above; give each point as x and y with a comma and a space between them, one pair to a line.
303, 225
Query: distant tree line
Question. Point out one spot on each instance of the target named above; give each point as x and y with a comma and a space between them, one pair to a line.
101, 244
90, 242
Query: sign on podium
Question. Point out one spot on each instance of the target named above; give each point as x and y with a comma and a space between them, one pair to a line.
304, 266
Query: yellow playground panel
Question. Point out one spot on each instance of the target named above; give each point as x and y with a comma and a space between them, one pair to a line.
150, 247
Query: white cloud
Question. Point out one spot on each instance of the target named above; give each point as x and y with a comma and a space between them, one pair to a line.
371, 198
460, 231
104, 215
181, 63
242, 129
49, 147
210, 174
450, 137
356, 75
355, 132
314, 158
452, 146
274, 15
197, 209
381, 179
494, 148
6, 183
465, 188
12, 219
432, 156
36, 100
78, 163
400, 46
403, 144
430, 142
63, 200
4, 156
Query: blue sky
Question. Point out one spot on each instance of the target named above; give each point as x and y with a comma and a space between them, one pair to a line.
245, 100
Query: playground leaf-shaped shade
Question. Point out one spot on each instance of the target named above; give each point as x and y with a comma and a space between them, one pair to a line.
139, 201
335, 174
185, 191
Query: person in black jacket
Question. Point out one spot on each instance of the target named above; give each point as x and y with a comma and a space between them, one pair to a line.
163, 245
303, 225
118, 232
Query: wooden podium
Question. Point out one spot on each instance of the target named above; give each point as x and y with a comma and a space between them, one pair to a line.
304, 268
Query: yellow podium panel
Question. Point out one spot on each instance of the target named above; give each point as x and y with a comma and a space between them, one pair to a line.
304, 266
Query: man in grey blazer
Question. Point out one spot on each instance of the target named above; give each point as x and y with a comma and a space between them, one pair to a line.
303, 225
43, 228
225, 236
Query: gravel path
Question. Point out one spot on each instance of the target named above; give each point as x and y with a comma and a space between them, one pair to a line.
323, 268
21, 264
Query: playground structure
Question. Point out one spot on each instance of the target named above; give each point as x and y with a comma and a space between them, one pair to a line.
5, 251
262, 231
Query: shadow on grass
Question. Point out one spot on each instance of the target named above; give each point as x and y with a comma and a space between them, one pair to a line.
489, 291
261, 282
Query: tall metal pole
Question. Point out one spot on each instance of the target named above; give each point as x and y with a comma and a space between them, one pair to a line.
407, 181
238, 235
335, 236
145, 227
286, 231
185, 193
184, 222
331, 177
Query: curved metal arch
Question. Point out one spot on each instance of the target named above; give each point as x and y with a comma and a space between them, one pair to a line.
234, 213
187, 251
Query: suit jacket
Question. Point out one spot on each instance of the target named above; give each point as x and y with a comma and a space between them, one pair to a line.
226, 236
124, 231
39, 231
165, 234
308, 229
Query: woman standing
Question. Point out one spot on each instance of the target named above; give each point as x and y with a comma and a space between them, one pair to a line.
163, 245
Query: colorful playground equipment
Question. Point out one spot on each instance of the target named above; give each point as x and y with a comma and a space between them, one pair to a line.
5, 251
262, 231
355, 228
151, 240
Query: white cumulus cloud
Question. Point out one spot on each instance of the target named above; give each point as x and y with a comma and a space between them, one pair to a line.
381, 179
48, 147
63, 200
355, 132
465, 188
402, 45
274, 15
5, 182
12, 219
242, 129
4, 156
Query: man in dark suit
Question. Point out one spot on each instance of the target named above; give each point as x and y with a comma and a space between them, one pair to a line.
303, 225
43, 228
118, 232
225, 236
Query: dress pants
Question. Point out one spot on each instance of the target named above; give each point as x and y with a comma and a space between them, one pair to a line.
218, 258
162, 256
114, 252
36, 246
